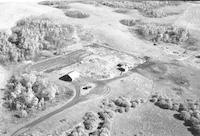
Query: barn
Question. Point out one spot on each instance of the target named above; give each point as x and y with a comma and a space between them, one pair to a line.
71, 76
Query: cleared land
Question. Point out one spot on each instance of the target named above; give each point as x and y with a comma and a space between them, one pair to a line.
138, 63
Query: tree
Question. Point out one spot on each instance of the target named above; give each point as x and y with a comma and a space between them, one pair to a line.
185, 115
22, 113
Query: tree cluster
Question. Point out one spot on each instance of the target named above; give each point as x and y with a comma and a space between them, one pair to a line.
94, 124
189, 111
27, 92
163, 33
52, 3
76, 14
155, 13
32, 35
121, 104
128, 22
91, 121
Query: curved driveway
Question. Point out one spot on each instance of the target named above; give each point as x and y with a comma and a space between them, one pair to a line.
77, 98
41, 66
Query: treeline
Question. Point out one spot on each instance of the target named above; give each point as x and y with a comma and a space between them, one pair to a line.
146, 8
188, 111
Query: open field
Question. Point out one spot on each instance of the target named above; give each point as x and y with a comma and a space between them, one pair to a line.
128, 68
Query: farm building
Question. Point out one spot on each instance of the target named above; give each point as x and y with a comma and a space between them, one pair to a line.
122, 67
71, 76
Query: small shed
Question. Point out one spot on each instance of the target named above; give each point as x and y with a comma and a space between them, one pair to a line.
71, 76
122, 67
